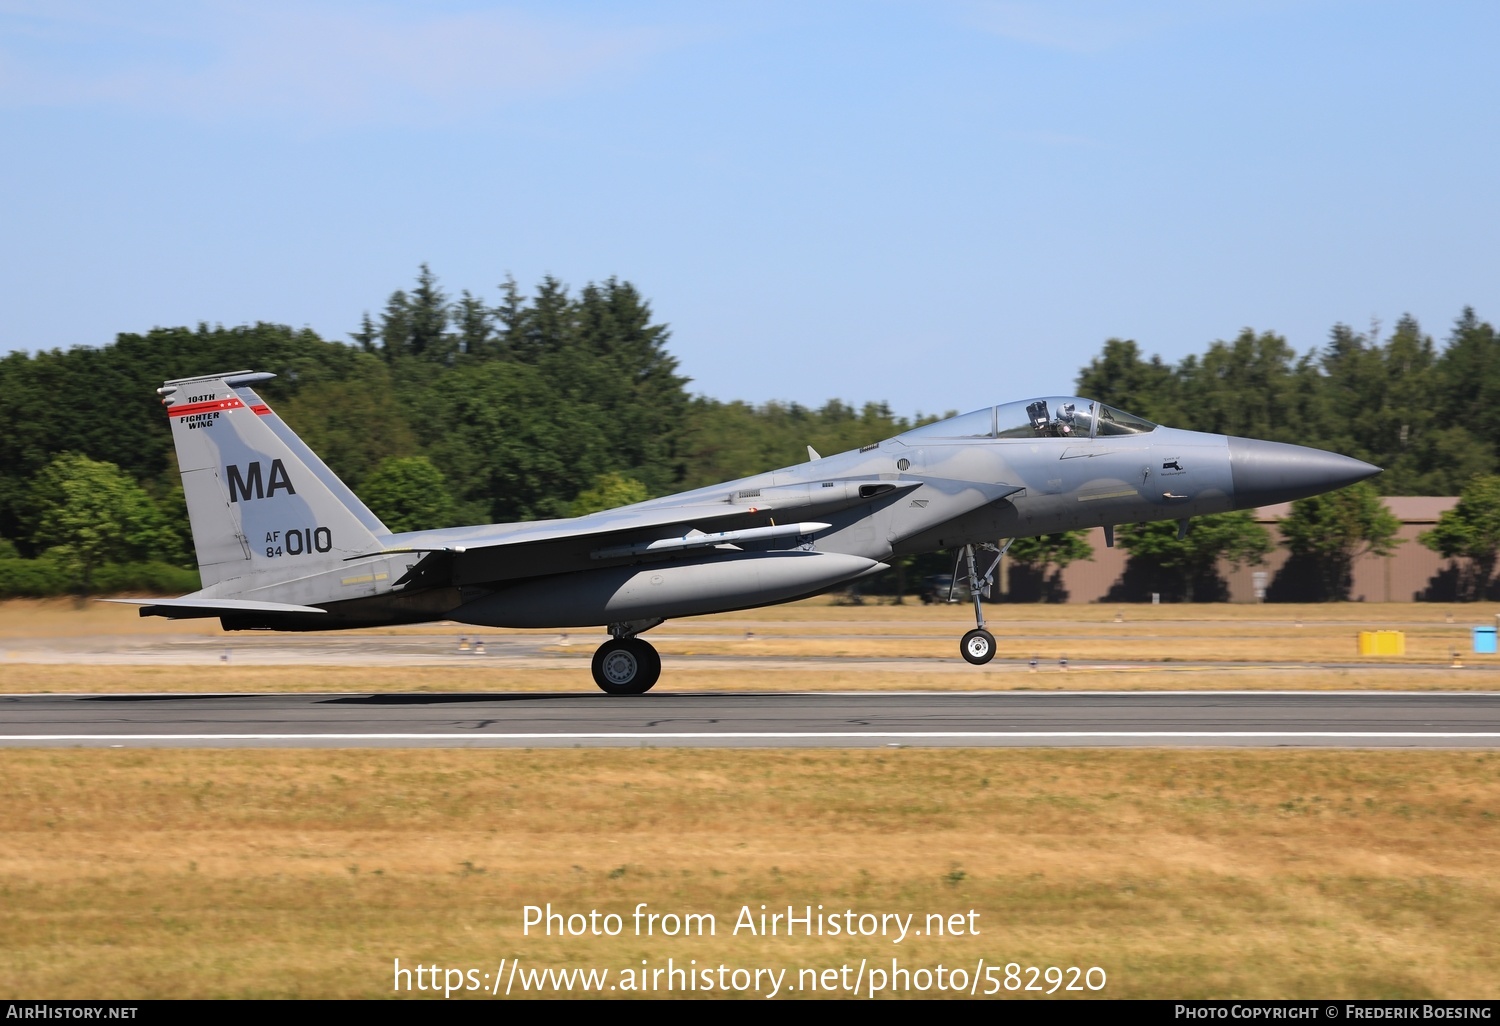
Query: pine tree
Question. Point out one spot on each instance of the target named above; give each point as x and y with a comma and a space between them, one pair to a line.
476, 328
366, 335
395, 326
427, 317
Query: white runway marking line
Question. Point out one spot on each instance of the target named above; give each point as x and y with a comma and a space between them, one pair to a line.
787, 735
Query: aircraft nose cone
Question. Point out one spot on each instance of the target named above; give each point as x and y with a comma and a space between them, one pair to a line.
1265, 473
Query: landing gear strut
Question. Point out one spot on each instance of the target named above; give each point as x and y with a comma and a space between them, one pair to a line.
626, 665
978, 646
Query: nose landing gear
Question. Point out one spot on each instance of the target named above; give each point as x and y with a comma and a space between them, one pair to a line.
978, 646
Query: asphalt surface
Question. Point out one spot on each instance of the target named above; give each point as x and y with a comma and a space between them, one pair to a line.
963, 719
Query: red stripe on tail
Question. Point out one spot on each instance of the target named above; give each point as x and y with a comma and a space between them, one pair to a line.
212, 406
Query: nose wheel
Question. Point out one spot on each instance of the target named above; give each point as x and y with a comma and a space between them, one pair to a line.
978, 646
626, 666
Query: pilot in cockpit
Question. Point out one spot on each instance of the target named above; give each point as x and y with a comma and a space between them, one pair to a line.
1064, 424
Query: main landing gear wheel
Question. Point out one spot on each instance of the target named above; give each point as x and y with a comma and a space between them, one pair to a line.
626, 666
978, 646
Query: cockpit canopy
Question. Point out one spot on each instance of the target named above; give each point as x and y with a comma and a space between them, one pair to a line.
1051, 417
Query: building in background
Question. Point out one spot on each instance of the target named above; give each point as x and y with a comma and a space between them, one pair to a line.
1412, 573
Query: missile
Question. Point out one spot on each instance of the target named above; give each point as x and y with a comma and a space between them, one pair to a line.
699, 540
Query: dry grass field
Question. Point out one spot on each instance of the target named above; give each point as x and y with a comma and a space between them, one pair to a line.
1180, 874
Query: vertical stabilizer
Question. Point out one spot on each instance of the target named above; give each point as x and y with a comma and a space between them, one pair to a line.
314, 463
263, 508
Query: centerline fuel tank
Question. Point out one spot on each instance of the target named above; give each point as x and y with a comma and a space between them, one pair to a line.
710, 584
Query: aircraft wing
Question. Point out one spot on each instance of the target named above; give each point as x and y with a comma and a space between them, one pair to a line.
487, 554
627, 519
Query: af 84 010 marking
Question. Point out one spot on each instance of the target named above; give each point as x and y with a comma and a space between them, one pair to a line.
298, 541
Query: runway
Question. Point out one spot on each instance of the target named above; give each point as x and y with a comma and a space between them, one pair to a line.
853, 720
532, 650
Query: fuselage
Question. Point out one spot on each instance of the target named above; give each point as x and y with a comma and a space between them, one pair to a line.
282, 543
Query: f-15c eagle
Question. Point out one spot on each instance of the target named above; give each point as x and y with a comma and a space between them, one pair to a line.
283, 544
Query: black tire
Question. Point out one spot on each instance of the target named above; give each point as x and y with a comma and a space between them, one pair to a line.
978, 646
626, 666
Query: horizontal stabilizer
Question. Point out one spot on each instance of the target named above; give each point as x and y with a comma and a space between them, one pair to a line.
190, 608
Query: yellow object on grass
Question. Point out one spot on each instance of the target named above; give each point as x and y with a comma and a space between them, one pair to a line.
1382, 643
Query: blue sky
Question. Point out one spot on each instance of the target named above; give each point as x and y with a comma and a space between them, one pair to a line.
939, 204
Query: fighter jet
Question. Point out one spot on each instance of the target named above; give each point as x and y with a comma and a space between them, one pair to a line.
283, 544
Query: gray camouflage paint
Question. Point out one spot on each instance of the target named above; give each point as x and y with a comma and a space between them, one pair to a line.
939, 486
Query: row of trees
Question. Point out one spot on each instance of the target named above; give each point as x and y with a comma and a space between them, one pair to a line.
558, 403
441, 412
567, 393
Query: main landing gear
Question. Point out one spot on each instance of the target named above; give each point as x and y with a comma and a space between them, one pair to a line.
978, 646
626, 665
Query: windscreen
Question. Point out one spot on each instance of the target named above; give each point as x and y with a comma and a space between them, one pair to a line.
1118, 422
